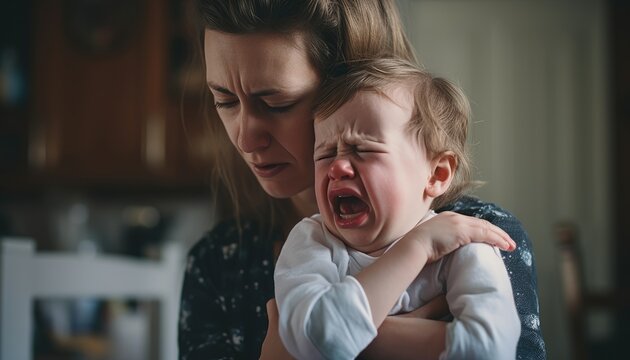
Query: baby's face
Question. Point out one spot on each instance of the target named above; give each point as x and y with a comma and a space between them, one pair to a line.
370, 170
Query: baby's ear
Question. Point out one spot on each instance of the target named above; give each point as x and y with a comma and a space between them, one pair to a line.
443, 168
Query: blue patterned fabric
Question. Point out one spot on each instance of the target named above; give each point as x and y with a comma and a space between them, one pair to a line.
229, 280
521, 269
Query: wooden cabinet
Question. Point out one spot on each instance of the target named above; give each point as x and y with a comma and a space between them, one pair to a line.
104, 107
14, 113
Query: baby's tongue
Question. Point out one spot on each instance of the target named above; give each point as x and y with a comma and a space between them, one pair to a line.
351, 205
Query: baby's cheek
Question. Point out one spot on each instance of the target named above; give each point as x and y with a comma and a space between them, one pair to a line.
386, 193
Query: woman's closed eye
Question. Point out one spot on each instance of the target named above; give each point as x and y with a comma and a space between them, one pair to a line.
279, 108
225, 104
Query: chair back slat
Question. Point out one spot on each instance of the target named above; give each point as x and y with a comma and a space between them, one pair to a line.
26, 275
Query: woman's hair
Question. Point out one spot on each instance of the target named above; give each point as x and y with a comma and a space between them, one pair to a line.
336, 31
440, 115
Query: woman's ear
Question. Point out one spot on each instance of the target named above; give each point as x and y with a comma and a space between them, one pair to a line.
443, 168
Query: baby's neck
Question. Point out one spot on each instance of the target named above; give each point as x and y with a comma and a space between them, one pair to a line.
376, 253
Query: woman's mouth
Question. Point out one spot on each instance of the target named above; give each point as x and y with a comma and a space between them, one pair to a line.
268, 170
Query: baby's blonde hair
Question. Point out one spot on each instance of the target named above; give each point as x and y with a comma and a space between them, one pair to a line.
440, 115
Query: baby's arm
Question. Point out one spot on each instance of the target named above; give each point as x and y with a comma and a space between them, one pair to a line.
322, 312
346, 311
327, 314
486, 324
392, 273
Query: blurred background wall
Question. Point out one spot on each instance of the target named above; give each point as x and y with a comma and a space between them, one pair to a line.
103, 146
541, 77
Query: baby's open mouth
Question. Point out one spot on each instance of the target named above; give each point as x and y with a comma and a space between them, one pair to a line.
349, 207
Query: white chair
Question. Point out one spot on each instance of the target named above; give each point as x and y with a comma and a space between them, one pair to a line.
26, 275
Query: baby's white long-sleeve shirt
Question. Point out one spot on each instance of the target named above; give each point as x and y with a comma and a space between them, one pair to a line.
325, 314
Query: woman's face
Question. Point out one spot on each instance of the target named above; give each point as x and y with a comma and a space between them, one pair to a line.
263, 87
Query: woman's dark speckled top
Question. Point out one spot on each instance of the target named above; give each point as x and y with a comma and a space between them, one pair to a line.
229, 281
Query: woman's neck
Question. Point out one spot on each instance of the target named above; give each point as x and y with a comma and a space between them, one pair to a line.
305, 203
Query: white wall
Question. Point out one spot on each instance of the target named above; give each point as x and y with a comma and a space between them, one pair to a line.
535, 72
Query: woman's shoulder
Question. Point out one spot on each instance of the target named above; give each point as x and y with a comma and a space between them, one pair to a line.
229, 238
521, 269
473, 206
229, 248
229, 235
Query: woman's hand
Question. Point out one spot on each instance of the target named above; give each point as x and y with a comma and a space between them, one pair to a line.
449, 231
435, 309
406, 337
272, 347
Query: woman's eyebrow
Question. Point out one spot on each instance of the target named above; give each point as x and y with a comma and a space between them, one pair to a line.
266, 92
259, 93
220, 89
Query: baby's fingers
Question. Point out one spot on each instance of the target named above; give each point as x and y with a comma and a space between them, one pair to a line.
494, 235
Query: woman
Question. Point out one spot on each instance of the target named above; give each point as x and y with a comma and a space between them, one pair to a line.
264, 63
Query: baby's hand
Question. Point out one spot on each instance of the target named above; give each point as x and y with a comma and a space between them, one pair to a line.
449, 231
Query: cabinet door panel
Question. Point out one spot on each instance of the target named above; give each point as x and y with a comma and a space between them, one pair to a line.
92, 106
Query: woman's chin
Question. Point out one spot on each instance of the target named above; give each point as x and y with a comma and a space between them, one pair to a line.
281, 190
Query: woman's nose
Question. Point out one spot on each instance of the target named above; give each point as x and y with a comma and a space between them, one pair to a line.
252, 133
341, 168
